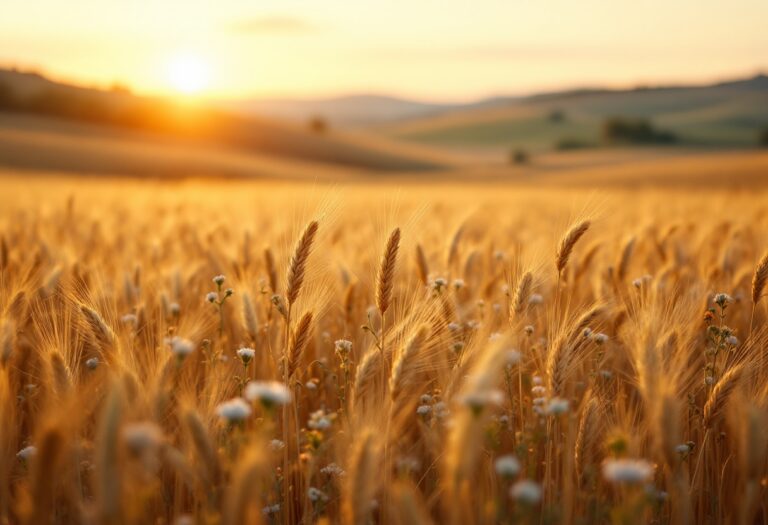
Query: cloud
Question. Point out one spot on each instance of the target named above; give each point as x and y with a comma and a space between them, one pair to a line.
273, 24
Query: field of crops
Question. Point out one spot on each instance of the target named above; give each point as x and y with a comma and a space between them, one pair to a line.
263, 352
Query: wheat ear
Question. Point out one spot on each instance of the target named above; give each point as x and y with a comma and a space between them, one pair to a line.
386, 276
298, 264
568, 242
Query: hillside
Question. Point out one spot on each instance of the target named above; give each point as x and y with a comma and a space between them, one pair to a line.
106, 113
729, 114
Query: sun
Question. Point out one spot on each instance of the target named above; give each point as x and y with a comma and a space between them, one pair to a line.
188, 73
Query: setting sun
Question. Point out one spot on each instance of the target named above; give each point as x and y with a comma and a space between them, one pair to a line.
188, 74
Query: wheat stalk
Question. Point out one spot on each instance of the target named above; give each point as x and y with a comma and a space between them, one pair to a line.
522, 293
759, 279
298, 264
386, 276
298, 343
721, 392
568, 242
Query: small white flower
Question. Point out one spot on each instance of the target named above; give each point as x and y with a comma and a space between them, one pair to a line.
513, 357
175, 309
476, 401
723, 300
683, 448
234, 411
441, 410
537, 380
535, 298
539, 401
343, 346
142, 436
219, 280
211, 297
92, 363
425, 399
600, 338
507, 466
732, 340
408, 464
26, 453
529, 329
180, 347
587, 332
454, 327
538, 391
246, 354
709, 380
495, 336
423, 410
310, 385
557, 406
315, 494
268, 393
526, 491
277, 444
332, 469
630, 471
458, 284
637, 283
319, 420
271, 509
129, 319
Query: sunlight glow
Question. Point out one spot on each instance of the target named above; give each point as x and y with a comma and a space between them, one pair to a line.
188, 74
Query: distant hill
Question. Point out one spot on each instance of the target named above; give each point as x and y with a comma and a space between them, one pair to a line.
24, 93
727, 114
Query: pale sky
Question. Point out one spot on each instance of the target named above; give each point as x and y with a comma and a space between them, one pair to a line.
428, 49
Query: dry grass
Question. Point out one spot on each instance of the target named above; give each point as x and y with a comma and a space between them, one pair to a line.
465, 358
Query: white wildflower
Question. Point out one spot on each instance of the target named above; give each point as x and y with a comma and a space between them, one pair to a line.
26, 453
630, 471
513, 357
246, 354
268, 393
332, 469
142, 436
180, 347
557, 406
234, 411
526, 491
315, 494
319, 420
507, 466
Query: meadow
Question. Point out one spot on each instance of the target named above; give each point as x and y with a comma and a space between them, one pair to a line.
287, 352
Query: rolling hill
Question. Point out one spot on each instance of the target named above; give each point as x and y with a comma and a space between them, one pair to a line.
729, 114
36, 112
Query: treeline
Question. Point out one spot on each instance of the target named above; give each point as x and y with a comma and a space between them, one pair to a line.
621, 130
114, 108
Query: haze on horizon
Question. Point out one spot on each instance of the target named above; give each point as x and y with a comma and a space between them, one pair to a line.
433, 49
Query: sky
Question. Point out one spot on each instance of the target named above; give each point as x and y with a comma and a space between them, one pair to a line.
436, 50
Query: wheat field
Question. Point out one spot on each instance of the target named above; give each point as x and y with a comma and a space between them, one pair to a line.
242, 352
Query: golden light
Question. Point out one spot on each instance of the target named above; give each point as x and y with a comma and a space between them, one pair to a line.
188, 74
